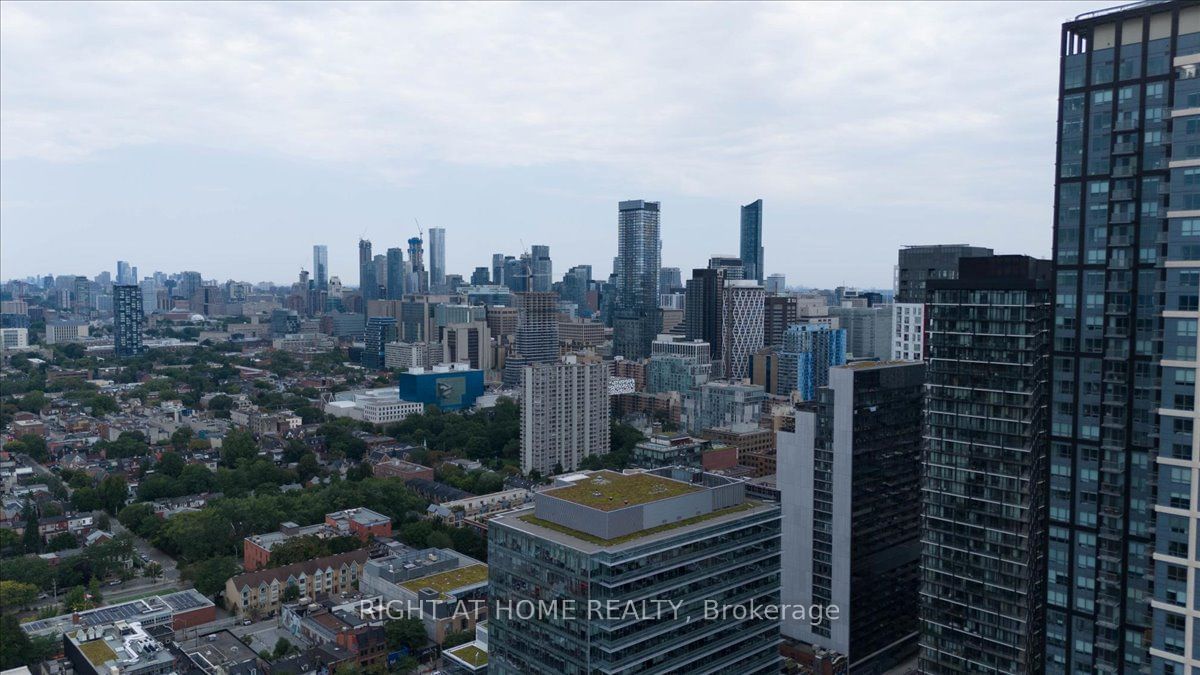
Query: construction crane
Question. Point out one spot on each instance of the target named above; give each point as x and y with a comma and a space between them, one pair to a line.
420, 232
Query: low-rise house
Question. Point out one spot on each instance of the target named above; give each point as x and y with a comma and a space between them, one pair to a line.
341, 625
445, 589
398, 468
474, 511
260, 593
358, 522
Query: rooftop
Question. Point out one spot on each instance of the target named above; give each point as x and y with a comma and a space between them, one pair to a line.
470, 654
592, 539
444, 582
98, 652
609, 490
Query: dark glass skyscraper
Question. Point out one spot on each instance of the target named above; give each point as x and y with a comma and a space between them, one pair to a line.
395, 274
1126, 242
849, 480
128, 320
985, 468
751, 239
321, 267
636, 316
541, 269
380, 331
368, 284
437, 257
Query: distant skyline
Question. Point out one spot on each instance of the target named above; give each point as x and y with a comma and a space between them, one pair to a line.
231, 138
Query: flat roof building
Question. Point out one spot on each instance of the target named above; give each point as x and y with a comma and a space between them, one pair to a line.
608, 541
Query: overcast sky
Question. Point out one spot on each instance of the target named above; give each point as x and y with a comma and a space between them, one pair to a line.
230, 137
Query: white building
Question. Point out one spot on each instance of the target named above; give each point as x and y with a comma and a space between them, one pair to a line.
411, 355
377, 406
741, 326
58, 332
14, 338
908, 331
564, 413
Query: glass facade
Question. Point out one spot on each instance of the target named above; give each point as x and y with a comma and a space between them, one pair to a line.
807, 354
985, 470
321, 266
368, 285
733, 562
1125, 274
637, 319
751, 241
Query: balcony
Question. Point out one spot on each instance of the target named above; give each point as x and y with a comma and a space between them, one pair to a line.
1120, 218
1127, 124
1124, 148
1124, 170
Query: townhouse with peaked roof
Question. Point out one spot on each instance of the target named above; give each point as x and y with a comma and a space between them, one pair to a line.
261, 592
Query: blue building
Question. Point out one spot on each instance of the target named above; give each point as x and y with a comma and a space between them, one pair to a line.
451, 386
808, 352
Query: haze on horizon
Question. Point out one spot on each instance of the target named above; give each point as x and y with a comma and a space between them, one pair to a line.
230, 138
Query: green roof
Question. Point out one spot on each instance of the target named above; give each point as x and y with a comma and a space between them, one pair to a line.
609, 490
471, 654
444, 582
593, 539
97, 652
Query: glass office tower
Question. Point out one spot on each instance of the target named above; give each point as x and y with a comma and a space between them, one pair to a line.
1122, 458
437, 257
321, 266
984, 468
751, 240
637, 319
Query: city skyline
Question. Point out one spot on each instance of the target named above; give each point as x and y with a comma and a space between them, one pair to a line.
210, 177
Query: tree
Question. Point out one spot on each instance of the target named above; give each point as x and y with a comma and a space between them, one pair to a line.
282, 646
34, 446
195, 479
29, 570
14, 594
85, 499
238, 445
307, 467
456, 639
113, 493
18, 649
102, 405
31, 539
181, 438
220, 402
34, 402
291, 593
407, 633
359, 471
171, 464
140, 519
153, 570
103, 522
62, 542
10, 543
209, 576
75, 600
